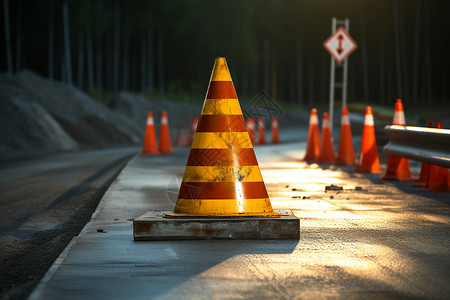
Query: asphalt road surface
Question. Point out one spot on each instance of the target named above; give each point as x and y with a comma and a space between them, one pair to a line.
45, 201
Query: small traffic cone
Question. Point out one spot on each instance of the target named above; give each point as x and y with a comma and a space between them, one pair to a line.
312, 145
326, 152
425, 169
438, 177
261, 131
398, 167
251, 129
164, 135
368, 156
275, 137
193, 129
182, 141
222, 176
150, 146
346, 152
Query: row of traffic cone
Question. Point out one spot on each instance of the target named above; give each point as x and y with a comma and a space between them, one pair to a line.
251, 127
150, 146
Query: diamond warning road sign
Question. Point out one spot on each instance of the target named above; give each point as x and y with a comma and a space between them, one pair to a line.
340, 45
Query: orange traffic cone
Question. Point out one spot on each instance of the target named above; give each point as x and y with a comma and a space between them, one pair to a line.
438, 177
164, 134
346, 153
251, 129
275, 137
182, 141
368, 156
222, 176
425, 169
149, 147
398, 167
193, 129
261, 131
312, 145
326, 152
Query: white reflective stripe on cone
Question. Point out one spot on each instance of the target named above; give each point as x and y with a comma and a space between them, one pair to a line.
368, 120
251, 126
345, 120
164, 121
150, 121
399, 118
314, 120
274, 123
326, 124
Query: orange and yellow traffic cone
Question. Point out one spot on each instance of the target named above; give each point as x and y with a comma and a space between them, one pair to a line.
150, 146
398, 167
425, 169
368, 156
261, 131
193, 129
222, 176
275, 136
438, 177
312, 145
346, 152
164, 135
326, 152
251, 129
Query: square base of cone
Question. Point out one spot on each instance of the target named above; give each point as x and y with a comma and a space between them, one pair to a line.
152, 226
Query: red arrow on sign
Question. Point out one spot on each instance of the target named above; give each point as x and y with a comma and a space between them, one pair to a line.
339, 49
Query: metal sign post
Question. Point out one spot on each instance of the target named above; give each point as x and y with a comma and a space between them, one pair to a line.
340, 45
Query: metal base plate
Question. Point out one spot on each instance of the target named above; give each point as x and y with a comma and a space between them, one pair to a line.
153, 226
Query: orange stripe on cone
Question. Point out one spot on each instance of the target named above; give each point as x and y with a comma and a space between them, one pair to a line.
312, 145
222, 177
368, 156
150, 146
425, 169
438, 177
261, 131
275, 135
398, 167
164, 135
346, 152
326, 152
251, 129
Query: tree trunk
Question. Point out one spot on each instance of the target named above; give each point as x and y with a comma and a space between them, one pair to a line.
98, 46
161, 63
365, 62
406, 91
143, 65
151, 58
415, 87
299, 74
109, 61
51, 41
116, 48
90, 57
80, 79
427, 72
19, 36
382, 91
67, 43
266, 63
273, 76
7, 37
311, 84
397, 52
126, 55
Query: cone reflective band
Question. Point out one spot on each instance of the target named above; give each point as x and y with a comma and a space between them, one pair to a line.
275, 135
368, 156
164, 135
326, 152
150, 146
312, 145
398, 167
222, 176
346, 153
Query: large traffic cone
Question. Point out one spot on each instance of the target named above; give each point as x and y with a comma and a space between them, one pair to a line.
193, 129
251, 129
275, 136
425, 169
346, 152
164, 134
368, 156
398, 167
261, 131
150, 146
222, 176
326, 152
438, 177
312, 145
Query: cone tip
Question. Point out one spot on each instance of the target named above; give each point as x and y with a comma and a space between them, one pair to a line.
314, 112
430, 124
345, 111
220, 70
164, 113
325, 116
150, 114
369, 110
438, 124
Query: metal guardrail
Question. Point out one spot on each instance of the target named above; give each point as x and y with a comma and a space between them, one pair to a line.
430, 145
